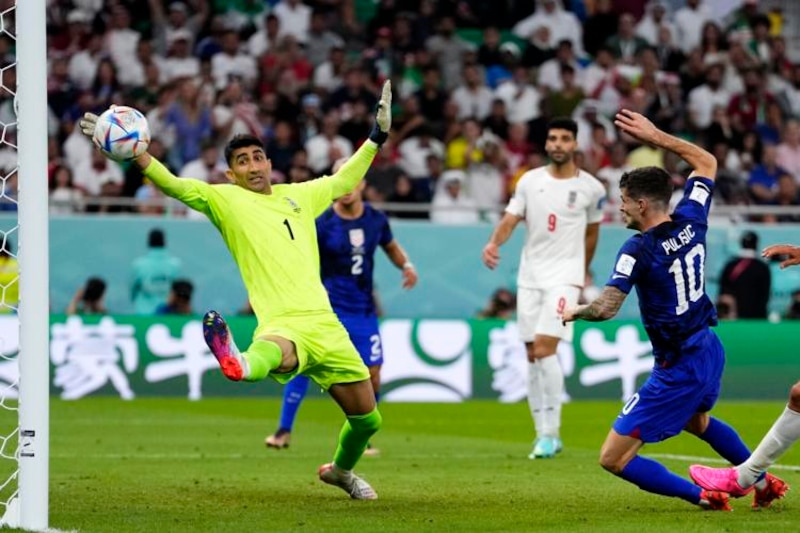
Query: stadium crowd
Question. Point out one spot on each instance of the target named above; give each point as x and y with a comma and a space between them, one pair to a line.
475, 87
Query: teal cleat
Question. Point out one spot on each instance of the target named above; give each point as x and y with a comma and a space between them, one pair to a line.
544, 448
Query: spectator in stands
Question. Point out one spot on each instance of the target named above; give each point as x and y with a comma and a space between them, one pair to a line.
611, 174
120, 38
600, 26
208, 165
89, 299
281, 147
786, 196
489, 52
473, 98
431, 96
563, 24
96, 172
327, 146
406, 194
295, 19
320, 39
790, 96
180, 63
329, 75
231, 62
703, 99
178, 17
106, 88
522, 99
448, 49
65, 198
414, 152
191, 120
745, 107
788, 152
83, 64
625, 44
713, 43
538, 48
355, 88
497, 121
747, 278
763, 181
153, 274
265, 38
179, 301
465, 149
689, 21
485, 179
549, 76
562, 103
670, 56
653, 20
451, 203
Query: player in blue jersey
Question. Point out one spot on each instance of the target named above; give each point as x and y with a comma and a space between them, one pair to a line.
665, 261
348, 234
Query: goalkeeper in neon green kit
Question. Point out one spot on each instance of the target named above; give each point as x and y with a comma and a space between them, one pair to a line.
270, 231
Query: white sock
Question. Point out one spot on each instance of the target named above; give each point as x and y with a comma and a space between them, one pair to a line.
552, 392
780, 437
535, 396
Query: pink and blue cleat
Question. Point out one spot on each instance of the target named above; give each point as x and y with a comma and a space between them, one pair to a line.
220, 341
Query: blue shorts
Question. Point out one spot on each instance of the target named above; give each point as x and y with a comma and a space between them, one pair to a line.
671, 396
366, 337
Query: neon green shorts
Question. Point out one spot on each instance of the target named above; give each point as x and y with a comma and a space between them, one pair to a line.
325, 352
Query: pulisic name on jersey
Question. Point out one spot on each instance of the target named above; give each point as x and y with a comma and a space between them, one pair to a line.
673, 244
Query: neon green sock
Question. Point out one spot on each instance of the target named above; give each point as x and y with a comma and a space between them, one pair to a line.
262, 358
353, 438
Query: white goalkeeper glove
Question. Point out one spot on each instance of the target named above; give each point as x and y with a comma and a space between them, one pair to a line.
383, 117
87, 124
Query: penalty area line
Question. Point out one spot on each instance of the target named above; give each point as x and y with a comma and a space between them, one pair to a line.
713, 460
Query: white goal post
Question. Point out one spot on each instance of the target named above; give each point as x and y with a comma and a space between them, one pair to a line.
29, 508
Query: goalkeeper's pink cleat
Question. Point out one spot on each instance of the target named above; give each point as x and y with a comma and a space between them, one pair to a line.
220, 342
719, 479
776, 489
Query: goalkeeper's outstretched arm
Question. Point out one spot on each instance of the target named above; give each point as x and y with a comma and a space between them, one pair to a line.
353, 171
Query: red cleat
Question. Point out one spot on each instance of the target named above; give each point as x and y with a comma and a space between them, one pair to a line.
776, 489
714, 500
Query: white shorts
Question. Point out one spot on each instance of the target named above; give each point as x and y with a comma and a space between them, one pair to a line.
539, 311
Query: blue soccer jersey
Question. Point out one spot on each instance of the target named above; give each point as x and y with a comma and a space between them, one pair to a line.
347, 258
666, 264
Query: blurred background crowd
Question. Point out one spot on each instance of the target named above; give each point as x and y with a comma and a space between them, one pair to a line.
475, 83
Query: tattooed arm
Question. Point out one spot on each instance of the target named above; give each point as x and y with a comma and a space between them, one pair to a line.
604, 307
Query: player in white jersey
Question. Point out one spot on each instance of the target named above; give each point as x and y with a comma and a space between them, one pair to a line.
562, 208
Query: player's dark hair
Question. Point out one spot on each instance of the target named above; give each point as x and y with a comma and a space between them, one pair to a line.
563, 123
243, 140
94, 290
653, 183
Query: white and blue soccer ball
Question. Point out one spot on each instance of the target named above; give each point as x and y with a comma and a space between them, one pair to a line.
122, 133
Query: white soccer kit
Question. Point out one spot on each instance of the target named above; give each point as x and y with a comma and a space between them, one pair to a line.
552, 265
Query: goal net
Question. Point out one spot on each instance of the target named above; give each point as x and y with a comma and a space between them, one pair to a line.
24, 299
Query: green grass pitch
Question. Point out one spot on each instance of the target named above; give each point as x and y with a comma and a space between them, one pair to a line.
161, 465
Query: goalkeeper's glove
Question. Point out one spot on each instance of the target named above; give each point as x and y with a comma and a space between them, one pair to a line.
87, 125
383, 117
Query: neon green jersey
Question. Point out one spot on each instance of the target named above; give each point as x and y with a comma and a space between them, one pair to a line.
272, 237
